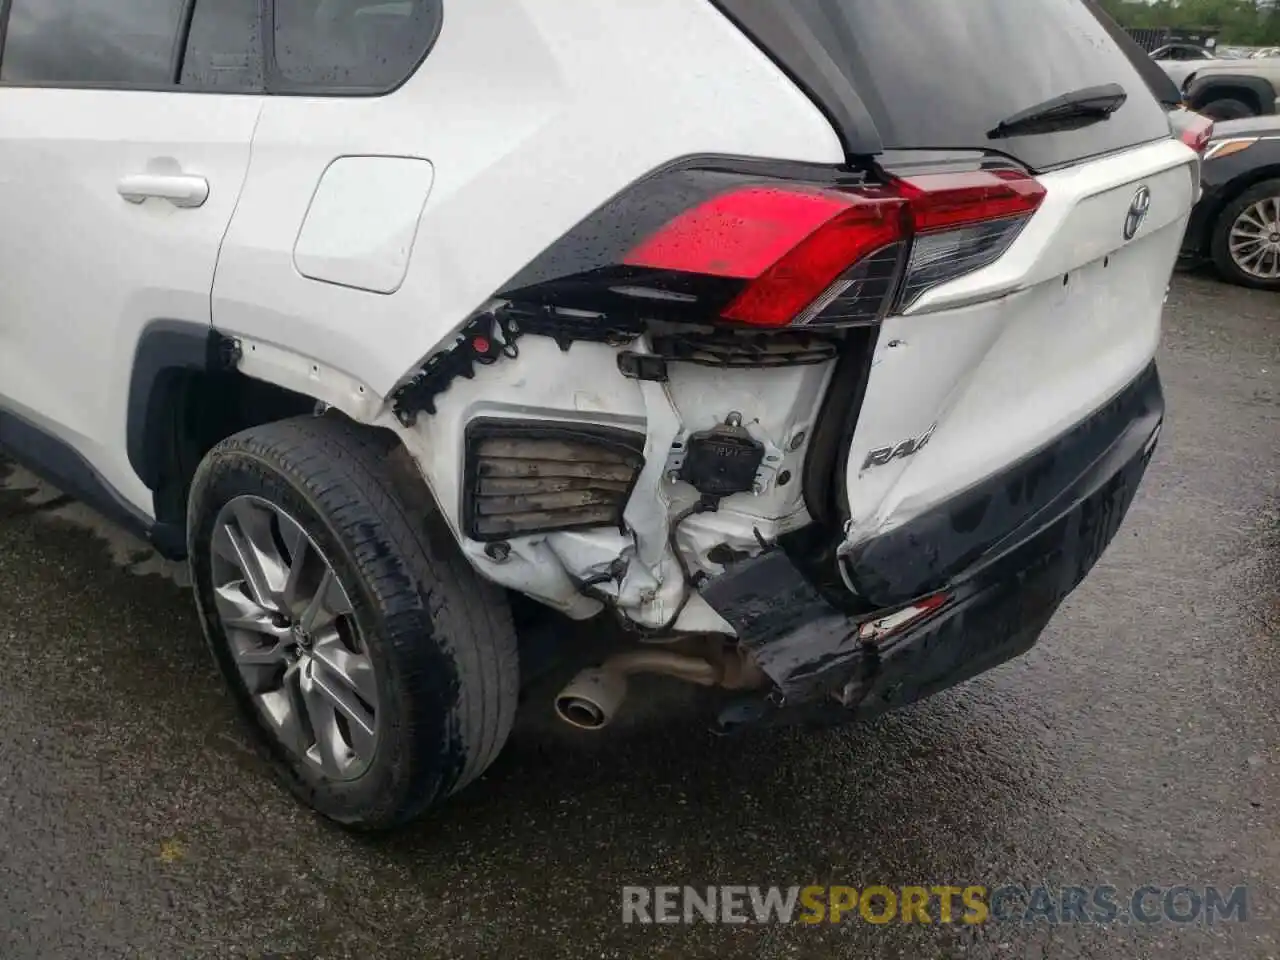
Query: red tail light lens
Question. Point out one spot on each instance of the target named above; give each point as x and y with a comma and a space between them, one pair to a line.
1192, 129
945, 200
741, 233
791, 244
780, 295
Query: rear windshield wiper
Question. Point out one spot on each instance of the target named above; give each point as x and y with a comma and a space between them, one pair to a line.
1070, 111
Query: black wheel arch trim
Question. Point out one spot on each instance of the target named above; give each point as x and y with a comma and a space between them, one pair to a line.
1203, 89
166, 349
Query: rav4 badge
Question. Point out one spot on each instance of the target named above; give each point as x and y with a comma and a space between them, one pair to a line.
907, 448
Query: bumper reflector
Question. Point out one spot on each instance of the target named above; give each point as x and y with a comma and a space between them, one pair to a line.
876, 631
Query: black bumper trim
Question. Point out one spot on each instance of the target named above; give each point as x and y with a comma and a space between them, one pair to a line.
926, 553
1004, 589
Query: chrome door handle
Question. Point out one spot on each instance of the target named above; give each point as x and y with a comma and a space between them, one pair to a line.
179, 189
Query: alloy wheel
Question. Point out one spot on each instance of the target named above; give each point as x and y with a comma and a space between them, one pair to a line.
291, 633
1254, 242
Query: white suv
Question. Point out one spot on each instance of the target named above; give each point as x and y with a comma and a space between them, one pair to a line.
811, 340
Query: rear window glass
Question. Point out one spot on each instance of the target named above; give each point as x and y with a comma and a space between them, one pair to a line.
942, 73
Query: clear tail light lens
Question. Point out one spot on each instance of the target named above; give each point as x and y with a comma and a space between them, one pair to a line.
939, 257
963, 222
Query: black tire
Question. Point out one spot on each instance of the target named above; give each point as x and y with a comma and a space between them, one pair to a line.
1219, 246
440, 637
1227, 109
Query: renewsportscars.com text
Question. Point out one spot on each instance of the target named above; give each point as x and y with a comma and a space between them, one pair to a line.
938, 904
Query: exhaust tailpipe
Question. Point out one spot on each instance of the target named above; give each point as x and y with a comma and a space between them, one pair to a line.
592, 698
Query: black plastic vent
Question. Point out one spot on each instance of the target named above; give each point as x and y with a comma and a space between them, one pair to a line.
745, 350
536, 476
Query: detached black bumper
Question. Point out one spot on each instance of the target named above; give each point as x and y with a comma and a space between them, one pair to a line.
1006, 554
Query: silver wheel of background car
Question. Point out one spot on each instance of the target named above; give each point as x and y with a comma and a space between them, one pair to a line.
1254, 241
291, 632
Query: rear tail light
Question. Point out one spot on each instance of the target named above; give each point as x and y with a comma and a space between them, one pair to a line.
833, 257
790, 245
743, 249
1192, 129
964, 222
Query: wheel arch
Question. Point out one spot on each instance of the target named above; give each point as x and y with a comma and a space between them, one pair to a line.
1255, 91
1220, 230
1233, 191
186, 395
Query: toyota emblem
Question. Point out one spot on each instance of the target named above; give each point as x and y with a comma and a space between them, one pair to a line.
1137, 215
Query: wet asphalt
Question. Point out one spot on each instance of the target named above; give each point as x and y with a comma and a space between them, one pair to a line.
1139, 742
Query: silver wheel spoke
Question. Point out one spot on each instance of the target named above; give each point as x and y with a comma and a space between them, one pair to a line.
253, 550
302, 561
285, 714
233, 545
1252, 221
340, 697
353, 670
239, 612
326, 606
270, 655
329, 749
328, 699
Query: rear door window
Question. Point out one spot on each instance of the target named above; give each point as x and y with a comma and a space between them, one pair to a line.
941, 74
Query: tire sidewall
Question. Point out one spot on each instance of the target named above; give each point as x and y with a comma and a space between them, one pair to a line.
1227, 109
403, 723
1219, 243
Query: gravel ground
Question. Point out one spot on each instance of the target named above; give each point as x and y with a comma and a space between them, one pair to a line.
1139, 742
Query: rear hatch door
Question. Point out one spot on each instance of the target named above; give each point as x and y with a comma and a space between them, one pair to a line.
983, 369
1002, 363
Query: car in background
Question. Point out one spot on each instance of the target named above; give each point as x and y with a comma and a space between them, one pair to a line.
1234, 89
1183, 51
1235, 226
1180, 60
1265, 52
